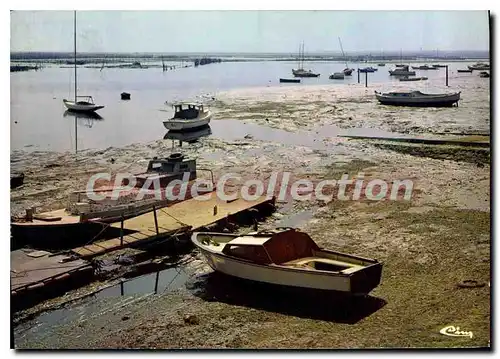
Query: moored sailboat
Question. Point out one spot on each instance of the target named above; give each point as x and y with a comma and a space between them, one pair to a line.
86, 103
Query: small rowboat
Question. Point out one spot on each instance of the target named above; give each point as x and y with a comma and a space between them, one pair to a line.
288, 257
294, 81
460, 70
406, 78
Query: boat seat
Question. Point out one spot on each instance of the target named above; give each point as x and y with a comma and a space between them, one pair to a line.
305, 263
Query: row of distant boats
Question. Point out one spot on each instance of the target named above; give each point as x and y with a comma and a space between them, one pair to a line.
400, 70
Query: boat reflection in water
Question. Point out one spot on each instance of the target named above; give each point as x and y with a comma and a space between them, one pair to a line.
84, 119
188, 136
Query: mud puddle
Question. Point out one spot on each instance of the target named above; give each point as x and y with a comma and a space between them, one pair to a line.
119, 295
231, 130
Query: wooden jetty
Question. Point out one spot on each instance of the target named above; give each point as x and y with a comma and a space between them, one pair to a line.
177, 219
38, 274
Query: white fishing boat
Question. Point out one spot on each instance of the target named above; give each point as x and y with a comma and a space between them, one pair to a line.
188, 116
86, 103
288, 257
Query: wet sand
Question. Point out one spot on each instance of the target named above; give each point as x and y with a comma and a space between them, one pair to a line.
428, 245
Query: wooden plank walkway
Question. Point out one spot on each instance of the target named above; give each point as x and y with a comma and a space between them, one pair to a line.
181, 217
30, 273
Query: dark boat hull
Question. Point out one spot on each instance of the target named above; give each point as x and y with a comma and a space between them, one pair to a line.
295, 81
305, 75
443, 103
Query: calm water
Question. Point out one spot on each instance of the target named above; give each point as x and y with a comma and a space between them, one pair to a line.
39, 122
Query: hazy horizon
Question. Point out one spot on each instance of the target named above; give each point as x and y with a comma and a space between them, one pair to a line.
250, 32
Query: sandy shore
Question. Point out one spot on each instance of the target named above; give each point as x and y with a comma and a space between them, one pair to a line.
428, 245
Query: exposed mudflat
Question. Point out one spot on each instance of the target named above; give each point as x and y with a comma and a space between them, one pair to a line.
428, 244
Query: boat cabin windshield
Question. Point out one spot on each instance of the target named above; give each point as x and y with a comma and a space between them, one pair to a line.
253, 253
277, 248
187, 111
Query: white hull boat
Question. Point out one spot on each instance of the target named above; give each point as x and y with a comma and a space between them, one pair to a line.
82, 106
188, 116
87, 104
288, 257
337, 76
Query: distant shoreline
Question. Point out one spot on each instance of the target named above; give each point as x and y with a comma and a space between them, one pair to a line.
351, 57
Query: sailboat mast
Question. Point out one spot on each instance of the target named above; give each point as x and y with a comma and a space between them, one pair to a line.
75, 51
342, 49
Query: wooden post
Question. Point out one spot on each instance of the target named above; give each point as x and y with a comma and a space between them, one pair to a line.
156, 220
156, 281
366, 79
121, 232
121, 288
446, 75
358, 77
29, 214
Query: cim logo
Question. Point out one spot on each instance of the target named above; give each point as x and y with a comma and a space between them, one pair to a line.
453, 331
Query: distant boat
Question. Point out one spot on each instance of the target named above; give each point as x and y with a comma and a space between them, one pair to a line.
337, 76
406, 78
424, 67
368, 69
460, 70
347, 71
479, 66
402, 71
295, 81
300, 71
188, 116
87, 103
381, 65
484, 74
439, 65
417, 99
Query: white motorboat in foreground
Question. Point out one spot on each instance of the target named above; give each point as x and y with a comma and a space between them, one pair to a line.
287, 257
86, 105
188, 116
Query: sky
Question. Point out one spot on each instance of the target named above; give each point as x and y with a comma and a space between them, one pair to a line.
249, 31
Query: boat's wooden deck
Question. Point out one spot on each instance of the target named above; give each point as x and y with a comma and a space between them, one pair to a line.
181, 217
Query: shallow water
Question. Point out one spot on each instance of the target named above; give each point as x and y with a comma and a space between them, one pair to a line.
38, 120
105, 300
